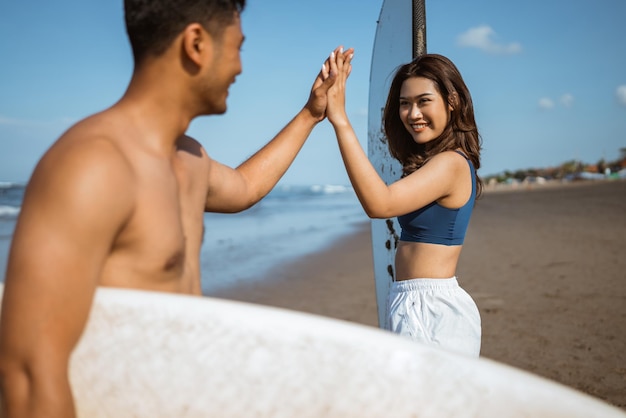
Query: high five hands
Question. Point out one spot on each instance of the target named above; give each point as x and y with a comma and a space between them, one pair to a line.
335, 70
337, 67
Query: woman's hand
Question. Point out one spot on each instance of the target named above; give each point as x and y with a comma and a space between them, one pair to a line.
337, 66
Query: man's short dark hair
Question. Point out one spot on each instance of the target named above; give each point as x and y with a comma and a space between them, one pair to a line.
153, 24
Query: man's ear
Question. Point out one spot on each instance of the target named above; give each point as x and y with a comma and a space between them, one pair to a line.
196, 43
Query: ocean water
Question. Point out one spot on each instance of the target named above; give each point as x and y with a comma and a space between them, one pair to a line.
290, 222
10, 201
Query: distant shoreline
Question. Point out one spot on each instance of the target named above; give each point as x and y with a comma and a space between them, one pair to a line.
546, 184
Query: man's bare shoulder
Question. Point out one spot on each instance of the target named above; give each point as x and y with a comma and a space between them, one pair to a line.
190, 146
84, 161
222, 187
195, 160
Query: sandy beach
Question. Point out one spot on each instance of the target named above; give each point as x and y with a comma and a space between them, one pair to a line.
546, 266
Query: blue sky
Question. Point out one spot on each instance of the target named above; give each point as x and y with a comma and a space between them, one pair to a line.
548, 77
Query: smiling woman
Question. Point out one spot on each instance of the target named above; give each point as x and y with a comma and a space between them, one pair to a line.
429, 123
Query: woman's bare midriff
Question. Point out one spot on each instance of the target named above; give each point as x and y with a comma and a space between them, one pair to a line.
415, 260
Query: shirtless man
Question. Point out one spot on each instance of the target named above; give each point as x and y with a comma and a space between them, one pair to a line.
118, 200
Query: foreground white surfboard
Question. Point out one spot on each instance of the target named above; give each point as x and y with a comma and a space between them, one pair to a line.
157, 355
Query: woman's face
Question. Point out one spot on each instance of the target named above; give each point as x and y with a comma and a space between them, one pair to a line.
422, 109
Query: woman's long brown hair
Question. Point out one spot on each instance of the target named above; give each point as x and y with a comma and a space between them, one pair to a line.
461, 132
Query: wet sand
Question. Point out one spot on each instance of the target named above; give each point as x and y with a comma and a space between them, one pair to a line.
546, 266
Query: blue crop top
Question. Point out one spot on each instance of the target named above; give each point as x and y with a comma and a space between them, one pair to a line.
435, 224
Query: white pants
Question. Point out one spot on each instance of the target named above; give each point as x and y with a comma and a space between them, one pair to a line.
436, 312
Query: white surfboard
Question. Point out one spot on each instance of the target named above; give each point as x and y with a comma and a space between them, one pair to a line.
158, 355
393, 46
